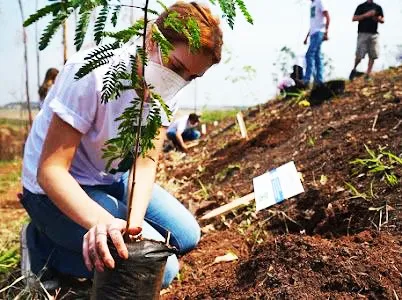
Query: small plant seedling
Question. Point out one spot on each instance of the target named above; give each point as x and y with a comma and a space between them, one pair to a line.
355, 192
381, 164
311, 141
229, 170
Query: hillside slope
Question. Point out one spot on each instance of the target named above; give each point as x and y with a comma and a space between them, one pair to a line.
342, 238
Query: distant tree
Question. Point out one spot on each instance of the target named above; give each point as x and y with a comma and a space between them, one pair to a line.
24, 40
240, 74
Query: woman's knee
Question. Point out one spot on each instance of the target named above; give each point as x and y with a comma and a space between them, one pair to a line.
166, 213
190, 239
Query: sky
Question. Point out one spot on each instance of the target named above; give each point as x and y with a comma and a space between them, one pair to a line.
246, 47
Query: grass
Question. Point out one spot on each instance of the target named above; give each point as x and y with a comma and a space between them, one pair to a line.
380, 163
12, 218
209, 116
10, 172
13, 123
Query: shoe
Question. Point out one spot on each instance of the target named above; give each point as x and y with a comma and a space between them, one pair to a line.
30, 278
352, 75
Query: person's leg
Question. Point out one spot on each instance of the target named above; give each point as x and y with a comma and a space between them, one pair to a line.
165, 213
360, 53
55, 242
191, 134
310, 56
373, 52
319, 65
54, 239
172, 137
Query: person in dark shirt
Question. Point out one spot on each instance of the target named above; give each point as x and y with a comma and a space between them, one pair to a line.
368, 14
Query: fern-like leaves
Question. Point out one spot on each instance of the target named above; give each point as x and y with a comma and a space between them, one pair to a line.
115, 15
51, 29
243, 9
50, 9
100, 24
126, 34
122, 146
112, 82
82, 27
163, 43
189, 27
98, 57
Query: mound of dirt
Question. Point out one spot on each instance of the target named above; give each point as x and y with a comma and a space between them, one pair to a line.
340, 239
11, 142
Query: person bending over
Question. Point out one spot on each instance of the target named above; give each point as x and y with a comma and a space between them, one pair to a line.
184, 129
73, 202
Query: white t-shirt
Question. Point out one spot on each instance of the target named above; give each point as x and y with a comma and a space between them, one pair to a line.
317, 22
78, 102
179, 125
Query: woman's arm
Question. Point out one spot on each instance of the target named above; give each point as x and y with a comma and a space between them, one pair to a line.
95, 249
145, 179
53, 176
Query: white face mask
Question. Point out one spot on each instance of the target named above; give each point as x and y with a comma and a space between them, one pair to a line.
165, 82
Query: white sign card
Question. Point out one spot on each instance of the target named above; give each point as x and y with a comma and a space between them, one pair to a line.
277, 185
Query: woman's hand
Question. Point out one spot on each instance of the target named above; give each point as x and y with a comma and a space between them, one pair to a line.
95, 249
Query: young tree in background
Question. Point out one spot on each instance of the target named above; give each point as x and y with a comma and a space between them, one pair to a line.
24, 39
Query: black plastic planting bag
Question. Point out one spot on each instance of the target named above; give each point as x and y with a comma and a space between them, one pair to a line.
138, 277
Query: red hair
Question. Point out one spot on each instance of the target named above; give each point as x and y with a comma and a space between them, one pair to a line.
210, 32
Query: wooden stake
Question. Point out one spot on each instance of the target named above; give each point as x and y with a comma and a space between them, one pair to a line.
203, 129
242, 125
375, 122
246, 200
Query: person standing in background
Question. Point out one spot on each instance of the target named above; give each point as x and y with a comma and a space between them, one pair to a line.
368, 14
318, 33
49, 80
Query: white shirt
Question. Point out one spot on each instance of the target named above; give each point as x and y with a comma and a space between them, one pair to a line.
78, 102
179, 125
317, 23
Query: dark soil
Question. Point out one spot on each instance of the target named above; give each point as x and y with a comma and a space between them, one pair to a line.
326, 243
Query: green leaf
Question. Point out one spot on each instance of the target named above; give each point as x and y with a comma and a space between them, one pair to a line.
100, 24
244, 11
112, 83
51, 30
81, 29
50, 9
115, 15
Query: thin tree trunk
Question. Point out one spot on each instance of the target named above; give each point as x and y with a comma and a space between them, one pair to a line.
132, 13
37, 49
24, 34
65, 41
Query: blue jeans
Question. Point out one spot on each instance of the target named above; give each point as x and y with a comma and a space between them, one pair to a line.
190, 134
55, 241
314, 58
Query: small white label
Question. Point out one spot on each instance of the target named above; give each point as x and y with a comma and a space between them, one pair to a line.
277, 185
